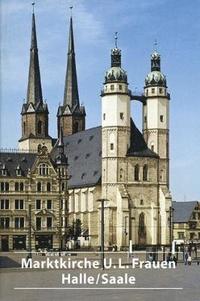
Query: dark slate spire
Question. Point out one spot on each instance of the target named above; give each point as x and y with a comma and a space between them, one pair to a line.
71, 97
61, 158
34, 91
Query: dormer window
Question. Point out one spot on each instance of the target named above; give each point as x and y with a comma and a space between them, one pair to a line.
43, 169
18, 171
3, 170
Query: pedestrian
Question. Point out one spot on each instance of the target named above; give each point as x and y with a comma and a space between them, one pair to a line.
168, 257
175, 260
186, 258
189, 259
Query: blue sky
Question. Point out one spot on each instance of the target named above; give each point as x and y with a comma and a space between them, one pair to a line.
176, 26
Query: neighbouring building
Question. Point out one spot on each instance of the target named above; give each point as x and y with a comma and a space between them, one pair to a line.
114, 161
186, 221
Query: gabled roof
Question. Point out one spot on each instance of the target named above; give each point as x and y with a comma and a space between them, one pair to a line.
182, 211
83, 151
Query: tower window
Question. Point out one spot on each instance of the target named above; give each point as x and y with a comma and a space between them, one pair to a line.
153, 90
160, 90
152, 147
39, 127
120, 87
112, 146
145, 118
121, 116
136, 173
104, 116
161, 118
112, 87
141, 202
147, 92
145, 172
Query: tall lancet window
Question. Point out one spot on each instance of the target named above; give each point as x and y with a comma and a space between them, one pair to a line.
39, 126
142, 230
145, 172
136, 172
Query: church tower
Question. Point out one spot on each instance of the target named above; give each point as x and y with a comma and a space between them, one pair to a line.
71, 115
34, 110
115, 99
156, 116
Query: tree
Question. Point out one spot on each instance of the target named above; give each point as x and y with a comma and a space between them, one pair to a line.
74, 230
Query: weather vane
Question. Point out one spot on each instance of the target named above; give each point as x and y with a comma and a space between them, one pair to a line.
155, 44
71, 7
33, 4
116, 38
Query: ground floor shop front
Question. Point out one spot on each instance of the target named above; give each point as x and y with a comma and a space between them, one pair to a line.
11, 242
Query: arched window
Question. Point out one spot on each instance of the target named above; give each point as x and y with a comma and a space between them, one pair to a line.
142, 230
48, 186
39, 127
145, 172
39, 187
136, 172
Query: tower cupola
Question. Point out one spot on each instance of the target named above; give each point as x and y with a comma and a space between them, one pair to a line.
115, 73
155, 77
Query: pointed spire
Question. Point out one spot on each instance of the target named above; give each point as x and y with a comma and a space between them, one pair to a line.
60, 138
71, 96
34, 91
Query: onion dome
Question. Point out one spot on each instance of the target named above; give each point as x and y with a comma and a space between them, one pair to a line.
155, 77
115, 73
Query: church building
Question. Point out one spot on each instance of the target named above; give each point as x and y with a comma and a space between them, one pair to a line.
115, 162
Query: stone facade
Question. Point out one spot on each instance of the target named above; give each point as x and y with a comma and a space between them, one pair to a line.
33, 202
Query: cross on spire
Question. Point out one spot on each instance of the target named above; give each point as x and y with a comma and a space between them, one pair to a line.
155, 44
116, 39
33, 6
71, 8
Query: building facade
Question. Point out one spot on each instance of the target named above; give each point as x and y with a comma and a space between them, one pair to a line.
114, 162
186, 221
